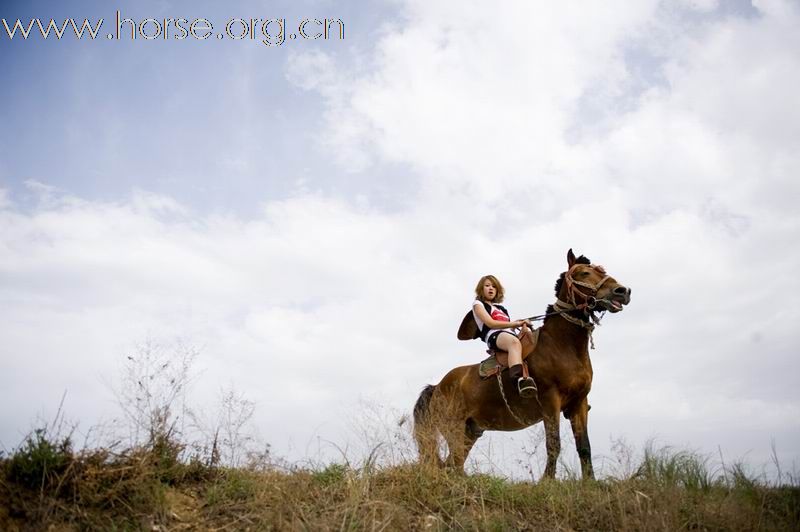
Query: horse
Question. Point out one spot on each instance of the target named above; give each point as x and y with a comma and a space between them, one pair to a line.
463, 405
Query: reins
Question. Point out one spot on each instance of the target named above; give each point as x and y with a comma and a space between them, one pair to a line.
540, 317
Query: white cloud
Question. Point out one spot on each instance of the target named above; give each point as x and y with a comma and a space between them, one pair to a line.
683, 189
687, 183
701, 5
321, 303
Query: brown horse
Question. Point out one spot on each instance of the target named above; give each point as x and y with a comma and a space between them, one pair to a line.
463, 405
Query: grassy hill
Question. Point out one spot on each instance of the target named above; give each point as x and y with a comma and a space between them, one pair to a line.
44, 485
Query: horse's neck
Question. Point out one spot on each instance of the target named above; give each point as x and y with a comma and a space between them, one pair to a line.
570, 338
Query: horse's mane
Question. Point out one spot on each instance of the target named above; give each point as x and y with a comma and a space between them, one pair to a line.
560, 282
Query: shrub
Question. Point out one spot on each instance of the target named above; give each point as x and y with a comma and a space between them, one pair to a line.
40, 460
332, 474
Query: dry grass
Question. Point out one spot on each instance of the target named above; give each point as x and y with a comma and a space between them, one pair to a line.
46, 486
160, 482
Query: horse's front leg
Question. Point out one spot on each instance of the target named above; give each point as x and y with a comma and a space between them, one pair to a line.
579, 419
551, 414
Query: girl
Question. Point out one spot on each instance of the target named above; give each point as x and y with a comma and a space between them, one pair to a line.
495, 327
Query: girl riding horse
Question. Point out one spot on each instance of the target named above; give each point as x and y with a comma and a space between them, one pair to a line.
494, 325
463, 405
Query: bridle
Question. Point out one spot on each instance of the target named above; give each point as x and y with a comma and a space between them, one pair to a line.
588, 301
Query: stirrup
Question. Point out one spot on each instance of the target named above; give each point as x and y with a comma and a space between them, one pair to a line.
526, 387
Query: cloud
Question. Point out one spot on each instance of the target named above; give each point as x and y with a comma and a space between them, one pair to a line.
701, 5
666, 141
309, 300
469, 101
664, 149
319, 303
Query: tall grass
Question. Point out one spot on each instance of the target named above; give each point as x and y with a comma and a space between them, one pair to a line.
163, 480
44, 483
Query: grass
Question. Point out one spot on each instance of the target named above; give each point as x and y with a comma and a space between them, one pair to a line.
159, 482
44, 484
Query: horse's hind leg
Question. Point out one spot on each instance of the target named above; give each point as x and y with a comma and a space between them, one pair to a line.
460, 440
471, 434
579, 419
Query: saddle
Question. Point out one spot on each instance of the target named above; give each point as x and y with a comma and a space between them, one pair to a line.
497, 360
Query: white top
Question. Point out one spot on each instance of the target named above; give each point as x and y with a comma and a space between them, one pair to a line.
495, 313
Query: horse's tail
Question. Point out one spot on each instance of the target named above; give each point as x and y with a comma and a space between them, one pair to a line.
421, 409
424, 429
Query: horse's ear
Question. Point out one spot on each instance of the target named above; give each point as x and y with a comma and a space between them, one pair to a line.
570, 258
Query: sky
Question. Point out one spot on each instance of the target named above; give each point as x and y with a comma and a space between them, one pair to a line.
313, 216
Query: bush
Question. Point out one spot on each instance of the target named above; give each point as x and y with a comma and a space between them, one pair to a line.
666, 467
40, 460
332, 474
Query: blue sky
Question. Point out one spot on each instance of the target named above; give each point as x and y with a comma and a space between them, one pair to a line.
213, 124
258, 201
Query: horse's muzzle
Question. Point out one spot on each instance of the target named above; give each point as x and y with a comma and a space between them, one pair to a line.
619, 296
623, 293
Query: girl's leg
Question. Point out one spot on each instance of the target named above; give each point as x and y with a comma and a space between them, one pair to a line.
510, 343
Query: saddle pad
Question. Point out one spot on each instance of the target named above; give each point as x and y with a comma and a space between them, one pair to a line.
489, 367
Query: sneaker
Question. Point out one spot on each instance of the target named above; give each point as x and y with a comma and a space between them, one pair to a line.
526, 387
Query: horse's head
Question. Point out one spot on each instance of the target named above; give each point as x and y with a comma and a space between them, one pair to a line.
588, 286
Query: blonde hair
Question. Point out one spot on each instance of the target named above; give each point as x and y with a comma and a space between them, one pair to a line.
499, 287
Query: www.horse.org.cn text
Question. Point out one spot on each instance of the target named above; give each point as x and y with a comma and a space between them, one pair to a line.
269, 31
